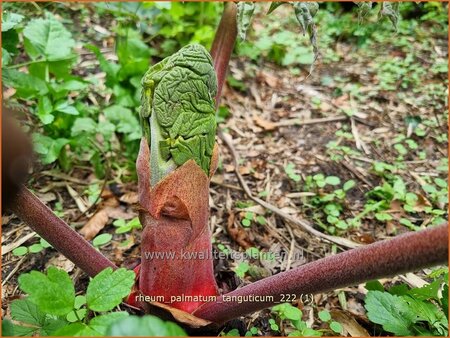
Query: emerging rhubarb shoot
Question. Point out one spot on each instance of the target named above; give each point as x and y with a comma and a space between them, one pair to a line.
176, 159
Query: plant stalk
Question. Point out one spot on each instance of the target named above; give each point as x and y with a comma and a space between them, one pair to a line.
58, 233
223, 45
408, 252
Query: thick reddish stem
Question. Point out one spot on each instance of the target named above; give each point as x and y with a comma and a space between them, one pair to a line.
223, 44
58, 233
409, 252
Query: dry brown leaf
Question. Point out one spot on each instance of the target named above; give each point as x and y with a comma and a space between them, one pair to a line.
95, 224
237, 233
349, 324
117, 213
130, 197
266, 125
61, 262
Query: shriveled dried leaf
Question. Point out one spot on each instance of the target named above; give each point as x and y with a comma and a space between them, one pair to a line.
95, 224
130, 197
237, 233
349, 324
266, 125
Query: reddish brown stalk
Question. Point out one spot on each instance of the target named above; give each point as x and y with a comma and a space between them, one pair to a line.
176, 240
409, 252
223, 45
58, 233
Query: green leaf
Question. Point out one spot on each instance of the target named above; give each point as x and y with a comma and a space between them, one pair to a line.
100, 324
10, 20
54, 293
102, 239
111, 69
76, 329
348, 185
324, 316
336, 327
332, 180
392, 312
245, 11
79, 301
20, 251
108, 288
45, 109
374, 285
76, 316
66, 108
292, 313
33, 319
274, 5
6, 57
84, 125
144, 326
48, 148
35, 248
26, 85
50, 38
7, 328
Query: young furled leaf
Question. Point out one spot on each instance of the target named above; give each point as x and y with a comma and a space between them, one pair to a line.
244, 17
363, 9
305, 11
391, 10
178, 111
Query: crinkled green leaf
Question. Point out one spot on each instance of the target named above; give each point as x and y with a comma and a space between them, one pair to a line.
144, 326
178, 110
53, 293
50, 38
10, 20
108, 288
245, 10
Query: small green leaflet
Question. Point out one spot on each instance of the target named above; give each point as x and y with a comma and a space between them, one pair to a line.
98, 326
245, 12
10, 21
52, 293
108, 288
48, 147
144, 326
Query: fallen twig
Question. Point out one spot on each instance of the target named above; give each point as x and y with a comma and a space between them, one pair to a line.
299, 222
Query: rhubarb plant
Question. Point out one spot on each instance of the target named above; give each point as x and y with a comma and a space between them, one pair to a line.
177, 156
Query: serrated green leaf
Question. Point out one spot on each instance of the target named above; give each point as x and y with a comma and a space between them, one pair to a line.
50, 38
108, 288
144, 326
54, 293
245, 12
10, 20
34, 321
392, 312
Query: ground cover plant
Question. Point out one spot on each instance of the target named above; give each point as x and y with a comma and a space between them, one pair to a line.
88, 132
